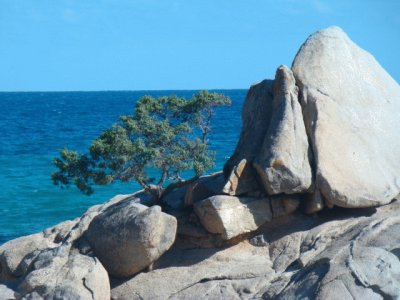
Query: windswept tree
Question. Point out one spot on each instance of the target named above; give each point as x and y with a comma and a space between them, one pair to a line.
165, 135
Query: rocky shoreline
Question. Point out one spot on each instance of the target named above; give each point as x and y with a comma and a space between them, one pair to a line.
306, 207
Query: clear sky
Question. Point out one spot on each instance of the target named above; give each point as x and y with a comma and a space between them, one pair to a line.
63, 45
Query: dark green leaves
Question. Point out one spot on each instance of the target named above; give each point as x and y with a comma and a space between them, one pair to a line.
168, 134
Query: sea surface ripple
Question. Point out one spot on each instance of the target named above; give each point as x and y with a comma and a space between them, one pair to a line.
34, 126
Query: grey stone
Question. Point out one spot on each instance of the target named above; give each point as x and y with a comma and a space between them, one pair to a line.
285, 251
241, 180
47, 264
175, 199
200, 274
352, 258
283, 162
256, 116
351, 255
204, 187
16, 255
314, 203
351, 110
128, 237
192, 191
232, 216
283, 205
66, 276
6, 292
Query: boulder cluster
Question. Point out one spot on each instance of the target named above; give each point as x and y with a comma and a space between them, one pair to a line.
306, 207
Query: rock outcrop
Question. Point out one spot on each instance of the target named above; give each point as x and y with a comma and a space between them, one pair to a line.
128, 237
256, 116
351, 110
18, 254
49, 265
231, 216
349, 258
58, 274
59, 263
291, 217
283, 162
339, 254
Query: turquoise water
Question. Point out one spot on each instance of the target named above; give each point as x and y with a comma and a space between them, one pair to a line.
34, 126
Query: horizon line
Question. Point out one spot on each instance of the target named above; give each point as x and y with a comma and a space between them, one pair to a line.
142, 90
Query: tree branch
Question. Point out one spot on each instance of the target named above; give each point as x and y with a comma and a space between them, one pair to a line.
176, 185
163, 176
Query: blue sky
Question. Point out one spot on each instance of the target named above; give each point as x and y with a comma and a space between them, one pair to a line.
61, 45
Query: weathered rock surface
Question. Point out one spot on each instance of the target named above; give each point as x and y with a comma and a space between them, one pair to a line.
61, 275
49, 264
204, 187
192, 192
338, 254
231, 216
283, 162
351, 109
241, 180
128, 237
227, 273
16, 255
256, 116
6, 292
314, 203
351, 258
282, 205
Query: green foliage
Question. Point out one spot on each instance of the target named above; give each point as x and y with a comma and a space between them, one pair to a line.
169, 134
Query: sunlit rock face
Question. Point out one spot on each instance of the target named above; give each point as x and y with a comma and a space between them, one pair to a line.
283, 161
342, 144
230, 216
256, 116
127, 237
351, 109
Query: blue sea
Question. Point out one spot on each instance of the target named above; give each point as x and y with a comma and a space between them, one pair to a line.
34, 126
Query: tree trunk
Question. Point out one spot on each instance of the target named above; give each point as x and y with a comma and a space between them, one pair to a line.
176, 185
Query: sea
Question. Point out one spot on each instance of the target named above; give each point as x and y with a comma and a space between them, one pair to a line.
34, 126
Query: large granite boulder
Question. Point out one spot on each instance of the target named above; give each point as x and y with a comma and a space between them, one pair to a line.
256, 116
57, 263
231, 216
64, 274
351, 110
283, 162
16, 255
6, 292
128, 237
47, 266
273, 148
